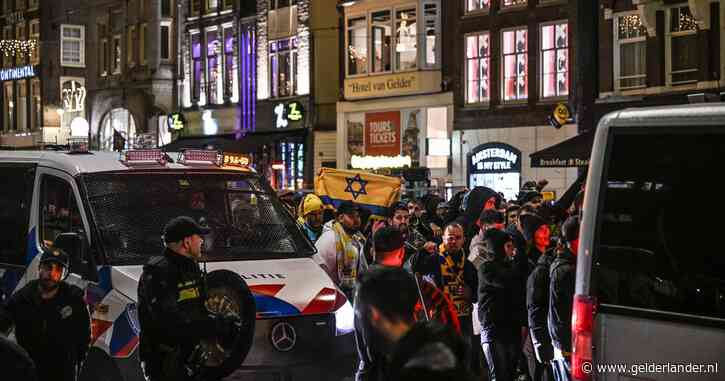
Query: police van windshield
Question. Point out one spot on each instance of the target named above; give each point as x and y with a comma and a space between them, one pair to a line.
247, 222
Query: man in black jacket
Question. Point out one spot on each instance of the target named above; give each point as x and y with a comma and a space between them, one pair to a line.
51, 320
501, 305
171, 295
561, 296
417, 351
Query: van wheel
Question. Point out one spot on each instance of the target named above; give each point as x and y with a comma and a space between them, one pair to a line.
228, 295
99, 367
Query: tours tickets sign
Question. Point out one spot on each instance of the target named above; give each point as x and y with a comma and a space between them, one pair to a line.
382, 133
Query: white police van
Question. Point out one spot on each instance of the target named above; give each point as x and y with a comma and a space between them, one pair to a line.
108, 210
650, 282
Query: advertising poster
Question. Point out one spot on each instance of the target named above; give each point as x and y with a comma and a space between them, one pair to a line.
355, 140
382, 133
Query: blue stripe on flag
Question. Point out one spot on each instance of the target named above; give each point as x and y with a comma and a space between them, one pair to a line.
374, 209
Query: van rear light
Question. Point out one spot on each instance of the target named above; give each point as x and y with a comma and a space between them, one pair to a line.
582, 327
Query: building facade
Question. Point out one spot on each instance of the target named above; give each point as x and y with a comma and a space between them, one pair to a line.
42, 58
396, 110
659, 53
511, 66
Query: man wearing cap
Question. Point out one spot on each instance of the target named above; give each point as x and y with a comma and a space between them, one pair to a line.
51, 320
340, 249
171, 295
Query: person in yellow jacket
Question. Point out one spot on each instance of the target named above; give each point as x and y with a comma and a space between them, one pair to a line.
310, 212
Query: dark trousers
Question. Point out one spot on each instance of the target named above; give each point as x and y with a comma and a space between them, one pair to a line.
471, 360
537, 370
501, 358
562, 369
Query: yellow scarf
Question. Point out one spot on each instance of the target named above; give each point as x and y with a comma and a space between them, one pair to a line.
348, 258
453, 283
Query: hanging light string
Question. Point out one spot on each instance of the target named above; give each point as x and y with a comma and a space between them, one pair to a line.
17, 47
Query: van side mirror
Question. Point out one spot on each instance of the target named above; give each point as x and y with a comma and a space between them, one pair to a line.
76, 246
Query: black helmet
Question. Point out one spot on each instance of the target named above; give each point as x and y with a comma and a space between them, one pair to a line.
55, 255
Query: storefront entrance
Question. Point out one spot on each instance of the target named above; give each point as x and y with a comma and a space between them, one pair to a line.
496, 166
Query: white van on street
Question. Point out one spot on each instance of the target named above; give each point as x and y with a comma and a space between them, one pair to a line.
107, 210
650, 283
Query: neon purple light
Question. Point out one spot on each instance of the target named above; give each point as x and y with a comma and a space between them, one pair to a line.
248, 79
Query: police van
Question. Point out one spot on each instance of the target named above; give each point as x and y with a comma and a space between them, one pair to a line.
107, 210
650, 282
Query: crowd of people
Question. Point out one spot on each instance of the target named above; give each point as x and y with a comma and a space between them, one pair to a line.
476, 286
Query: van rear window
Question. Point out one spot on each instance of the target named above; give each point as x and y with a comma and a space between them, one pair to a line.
247, 221
661, 230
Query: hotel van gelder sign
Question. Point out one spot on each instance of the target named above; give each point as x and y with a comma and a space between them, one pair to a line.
392, 84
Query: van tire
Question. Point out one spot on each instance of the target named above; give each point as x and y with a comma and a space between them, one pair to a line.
99, 367
231, 285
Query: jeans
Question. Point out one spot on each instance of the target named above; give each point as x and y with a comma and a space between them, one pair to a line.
501, 357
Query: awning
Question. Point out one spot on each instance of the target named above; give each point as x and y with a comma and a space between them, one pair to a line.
573, 152
228, 142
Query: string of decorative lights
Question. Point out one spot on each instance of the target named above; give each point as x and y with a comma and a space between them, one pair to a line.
16, 47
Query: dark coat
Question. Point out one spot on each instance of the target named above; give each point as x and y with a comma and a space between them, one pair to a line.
16, 362
55, 332
501, 304
561, 298
537, 303
171, 294
429, 351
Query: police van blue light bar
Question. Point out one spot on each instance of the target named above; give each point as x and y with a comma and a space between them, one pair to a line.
200, 157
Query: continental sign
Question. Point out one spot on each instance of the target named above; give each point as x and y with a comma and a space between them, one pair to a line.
392, 85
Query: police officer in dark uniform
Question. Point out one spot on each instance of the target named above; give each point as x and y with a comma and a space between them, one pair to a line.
51, 320
171, 295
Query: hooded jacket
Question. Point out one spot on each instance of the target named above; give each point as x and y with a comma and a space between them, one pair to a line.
473, 204
429, 351
537, 305
561, 296
501, 307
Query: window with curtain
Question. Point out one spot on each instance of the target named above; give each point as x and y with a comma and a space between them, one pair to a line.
230, 67
515, 66
283, 70
630, 55
357, 46
382, 35
214, 76
406, 40
196, 71
477, 5
554, 60
72, 45
513, 3
683, 51
432, 33
478, 68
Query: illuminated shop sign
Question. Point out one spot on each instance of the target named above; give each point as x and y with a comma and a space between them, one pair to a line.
17, 73
495, 157
176, 121
288, 112
74, 96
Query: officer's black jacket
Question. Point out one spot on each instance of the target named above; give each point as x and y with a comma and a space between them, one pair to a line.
501, 306
55, 332
171, 294
537, 300
561, 297
17, 364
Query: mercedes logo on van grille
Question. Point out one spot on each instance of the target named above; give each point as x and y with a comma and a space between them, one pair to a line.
283, 336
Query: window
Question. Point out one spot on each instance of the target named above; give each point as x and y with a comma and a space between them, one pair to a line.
478, 68
8, 35
515, 65
9, 106
15, 201
682, 47
35, 35
230, 66
197, 75
276, 4
58, 210
8, 5
20, 35
554, 60
72, 49
36, 108
19, 5
382, 35
165, 42
33, 4
166, 8
195, 7
213, 66
142, 8
431, 34
630, 52
103, 58
643, 257
116, 54
142, 44
21, 107
228, 4
513, 3
406, 49
211, 5
357, 41
283, 70
130, 51
477, 5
